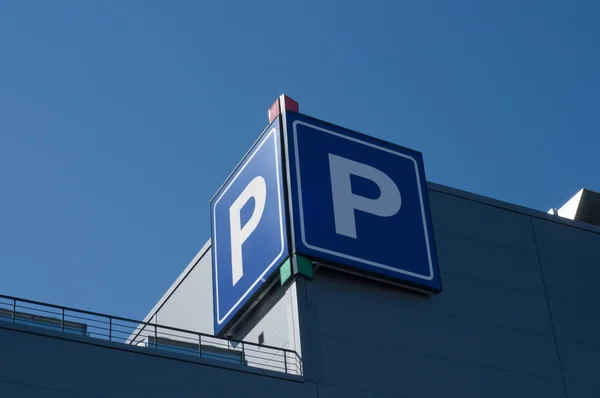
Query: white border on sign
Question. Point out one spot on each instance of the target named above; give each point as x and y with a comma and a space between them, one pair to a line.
362, 260
281, 226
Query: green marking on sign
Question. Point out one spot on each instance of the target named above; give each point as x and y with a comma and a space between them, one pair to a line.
285, 271
305, 267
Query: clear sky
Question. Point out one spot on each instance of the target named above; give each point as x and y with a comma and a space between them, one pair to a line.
120, 119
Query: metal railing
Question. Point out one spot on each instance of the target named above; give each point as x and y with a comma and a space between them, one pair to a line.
147, 335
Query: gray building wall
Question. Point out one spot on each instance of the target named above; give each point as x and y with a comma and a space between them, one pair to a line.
188, 303
518, 315
276, 317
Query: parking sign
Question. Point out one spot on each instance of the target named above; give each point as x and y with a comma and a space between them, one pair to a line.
359, 203
248, 228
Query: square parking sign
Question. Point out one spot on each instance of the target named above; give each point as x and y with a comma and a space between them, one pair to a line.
359, 203
248, 231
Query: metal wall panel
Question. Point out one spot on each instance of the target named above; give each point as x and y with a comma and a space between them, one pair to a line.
369, 367
490, 262
399, 326
330, 391
570, 259
190, 306
8, 389
580, 364
461, 298
576, 322
480, 221
581, 391
276, 317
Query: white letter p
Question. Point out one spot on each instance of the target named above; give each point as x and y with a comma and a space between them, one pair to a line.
345, 202
257, 189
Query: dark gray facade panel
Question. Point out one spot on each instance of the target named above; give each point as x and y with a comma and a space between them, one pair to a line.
461, 298
582, 391
497, 305
84, 368
439, 336
329, 391
385, 371
10, 390
581, 364
570, 259
576, 322
482, 222
488, 262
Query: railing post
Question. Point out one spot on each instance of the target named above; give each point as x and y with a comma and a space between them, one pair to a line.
62, 321
14, 314
285, 360
155, 336
200, 345
110, 328
243, 354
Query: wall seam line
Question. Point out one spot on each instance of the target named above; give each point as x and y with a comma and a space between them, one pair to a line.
539, 260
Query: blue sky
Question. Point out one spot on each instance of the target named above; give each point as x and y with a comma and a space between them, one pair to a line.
120, 119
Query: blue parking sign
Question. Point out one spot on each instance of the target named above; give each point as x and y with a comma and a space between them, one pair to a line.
360, 204
248, 228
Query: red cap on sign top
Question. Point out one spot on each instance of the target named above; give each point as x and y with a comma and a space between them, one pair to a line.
283, 103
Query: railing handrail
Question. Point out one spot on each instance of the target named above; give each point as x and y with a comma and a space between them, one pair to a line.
111, 317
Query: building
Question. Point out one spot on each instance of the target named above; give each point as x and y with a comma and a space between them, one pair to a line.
518, 316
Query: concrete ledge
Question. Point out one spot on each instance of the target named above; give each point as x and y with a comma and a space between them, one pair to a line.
145, 351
